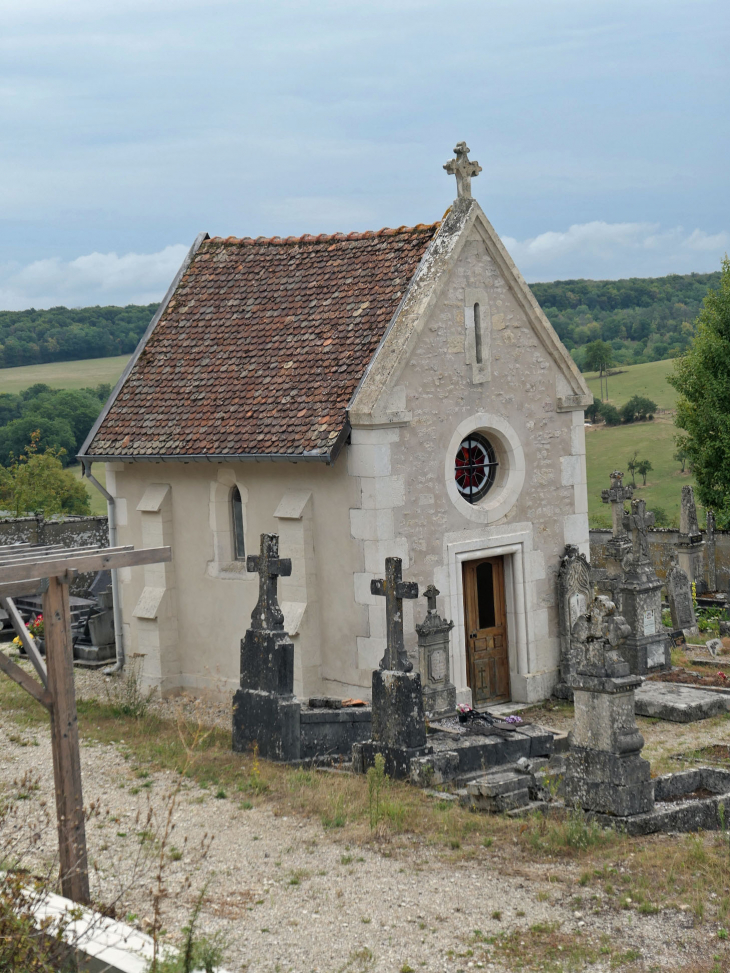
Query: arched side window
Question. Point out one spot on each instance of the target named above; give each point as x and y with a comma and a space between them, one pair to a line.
239, 547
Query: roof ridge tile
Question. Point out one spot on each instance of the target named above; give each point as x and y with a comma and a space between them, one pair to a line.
326, 237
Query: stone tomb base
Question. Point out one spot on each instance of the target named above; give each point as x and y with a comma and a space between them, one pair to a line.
681, 804
608, 783
679, 704
399, 727
286, 729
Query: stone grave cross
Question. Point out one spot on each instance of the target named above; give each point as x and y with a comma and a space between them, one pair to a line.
267, 616
617, 495
431, 594
394, 590
638, 522
463, 169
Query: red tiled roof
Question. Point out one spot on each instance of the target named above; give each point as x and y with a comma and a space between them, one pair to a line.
262, 346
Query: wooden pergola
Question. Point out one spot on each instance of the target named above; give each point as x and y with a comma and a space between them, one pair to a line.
26, 570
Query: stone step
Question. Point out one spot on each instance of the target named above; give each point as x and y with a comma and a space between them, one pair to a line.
499, 791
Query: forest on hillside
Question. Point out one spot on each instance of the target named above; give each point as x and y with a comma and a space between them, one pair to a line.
643, 319
68, 334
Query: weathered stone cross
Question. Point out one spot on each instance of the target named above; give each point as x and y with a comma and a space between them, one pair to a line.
267, 615
431, 593
638, 522
394, 589
463, 169
616, 496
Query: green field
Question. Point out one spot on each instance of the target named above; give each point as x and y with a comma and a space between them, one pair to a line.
98, 470
87, 373
608, 448
649, 380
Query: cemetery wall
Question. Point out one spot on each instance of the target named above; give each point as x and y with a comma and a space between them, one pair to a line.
661, 545
69, 531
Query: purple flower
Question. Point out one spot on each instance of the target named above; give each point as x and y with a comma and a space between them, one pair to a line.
513, 719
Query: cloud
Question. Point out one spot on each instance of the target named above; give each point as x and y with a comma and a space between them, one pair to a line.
95, 278
603, 250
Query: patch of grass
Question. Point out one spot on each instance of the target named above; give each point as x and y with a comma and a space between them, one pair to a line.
649, 380
608, 448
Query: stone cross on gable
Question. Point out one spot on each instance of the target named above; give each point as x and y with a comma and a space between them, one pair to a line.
617, 495
463, 169
394, 589
638, 522
267, 615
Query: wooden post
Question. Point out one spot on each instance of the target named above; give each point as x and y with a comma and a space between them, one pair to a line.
65, 743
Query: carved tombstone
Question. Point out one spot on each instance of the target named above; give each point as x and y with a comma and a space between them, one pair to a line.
679, 593
690, 545
647, 648
439, 693
605, 772
265, 711
711, 556
575, 593
399, 726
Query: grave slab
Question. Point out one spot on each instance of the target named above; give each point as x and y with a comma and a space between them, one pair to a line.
679, 704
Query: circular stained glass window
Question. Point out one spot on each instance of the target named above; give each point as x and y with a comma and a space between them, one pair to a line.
475, 467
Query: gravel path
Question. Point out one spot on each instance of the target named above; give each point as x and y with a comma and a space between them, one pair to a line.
290, 896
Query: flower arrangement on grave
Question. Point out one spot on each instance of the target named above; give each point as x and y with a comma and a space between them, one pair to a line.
513, 719
36, 628
465, 712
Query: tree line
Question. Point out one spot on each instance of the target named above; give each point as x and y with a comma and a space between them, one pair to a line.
61, 418
639, 319
67, 334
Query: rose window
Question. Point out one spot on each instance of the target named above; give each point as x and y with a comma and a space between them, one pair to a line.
475, 467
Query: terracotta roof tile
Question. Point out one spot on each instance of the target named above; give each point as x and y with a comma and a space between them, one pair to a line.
262, 345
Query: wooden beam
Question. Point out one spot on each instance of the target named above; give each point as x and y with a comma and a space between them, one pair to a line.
16, 589
105, 559
42, 556
65, 744
26, 638
10, 554
26, 681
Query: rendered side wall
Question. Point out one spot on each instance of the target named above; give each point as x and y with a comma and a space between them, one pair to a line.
214, 595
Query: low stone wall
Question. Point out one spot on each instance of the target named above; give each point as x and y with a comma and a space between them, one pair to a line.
661, 545
69, 531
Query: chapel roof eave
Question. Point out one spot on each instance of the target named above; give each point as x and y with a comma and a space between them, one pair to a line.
328, 458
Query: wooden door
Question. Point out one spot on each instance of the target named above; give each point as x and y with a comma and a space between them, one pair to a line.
487, 664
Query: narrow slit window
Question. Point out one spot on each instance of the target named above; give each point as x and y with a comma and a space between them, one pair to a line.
478, 333
239, 549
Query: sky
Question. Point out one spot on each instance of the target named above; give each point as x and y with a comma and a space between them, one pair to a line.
129, 126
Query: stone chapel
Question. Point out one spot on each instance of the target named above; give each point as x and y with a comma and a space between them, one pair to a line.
362, 395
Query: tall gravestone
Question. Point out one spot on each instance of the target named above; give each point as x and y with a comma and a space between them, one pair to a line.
605, 771
690, 545
620, 544
575, 593
679, 595
399, 725
439, 693
265, 710
647, 648
711, 552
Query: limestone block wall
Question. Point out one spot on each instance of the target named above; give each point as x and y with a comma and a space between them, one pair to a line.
410, 506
